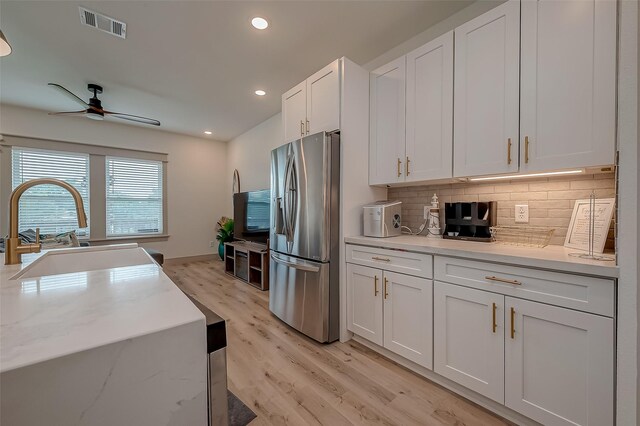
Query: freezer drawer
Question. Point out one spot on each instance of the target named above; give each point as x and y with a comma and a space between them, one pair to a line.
300, 294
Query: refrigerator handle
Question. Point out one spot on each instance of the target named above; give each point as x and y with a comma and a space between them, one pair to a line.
288, 200
285, 211
295, 265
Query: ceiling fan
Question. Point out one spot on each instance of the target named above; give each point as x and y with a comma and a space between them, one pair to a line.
94, 108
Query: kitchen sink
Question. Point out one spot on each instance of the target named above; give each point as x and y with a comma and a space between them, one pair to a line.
82, 259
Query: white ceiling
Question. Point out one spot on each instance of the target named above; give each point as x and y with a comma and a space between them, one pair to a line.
195, 65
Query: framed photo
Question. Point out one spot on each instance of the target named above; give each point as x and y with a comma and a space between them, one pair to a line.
579, 227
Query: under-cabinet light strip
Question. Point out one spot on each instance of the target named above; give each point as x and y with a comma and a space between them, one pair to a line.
530, 175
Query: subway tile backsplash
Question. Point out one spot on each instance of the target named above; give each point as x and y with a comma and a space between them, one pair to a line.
550, 200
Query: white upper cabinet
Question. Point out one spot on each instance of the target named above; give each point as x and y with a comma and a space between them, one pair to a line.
568, 84
323, 99
294, 115
314, 105
429, 124
387, 120
559, 364
486, 99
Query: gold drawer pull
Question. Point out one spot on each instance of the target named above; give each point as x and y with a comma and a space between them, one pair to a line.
502, 280
407, 164
509, 151
375, 285
526, 149
399, 164
513, 326
495, 324
384, 259
386, 281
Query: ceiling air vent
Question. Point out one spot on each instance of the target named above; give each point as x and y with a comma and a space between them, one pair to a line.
103, 23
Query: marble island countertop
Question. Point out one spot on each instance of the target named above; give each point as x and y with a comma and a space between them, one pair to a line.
51, 316
551, 257
80, 344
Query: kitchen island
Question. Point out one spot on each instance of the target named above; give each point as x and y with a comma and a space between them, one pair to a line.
88, 344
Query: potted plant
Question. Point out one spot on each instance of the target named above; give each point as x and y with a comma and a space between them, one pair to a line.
224, 234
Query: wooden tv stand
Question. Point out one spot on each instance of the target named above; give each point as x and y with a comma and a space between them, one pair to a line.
248, 262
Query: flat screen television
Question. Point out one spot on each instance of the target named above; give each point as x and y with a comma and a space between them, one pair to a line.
251, 215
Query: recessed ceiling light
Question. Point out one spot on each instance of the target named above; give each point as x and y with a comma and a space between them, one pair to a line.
208, 132
260, 92
259, 23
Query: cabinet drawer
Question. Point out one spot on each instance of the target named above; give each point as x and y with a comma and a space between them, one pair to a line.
404, 262
588, 294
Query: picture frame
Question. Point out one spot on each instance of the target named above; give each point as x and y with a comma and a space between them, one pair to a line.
579, 227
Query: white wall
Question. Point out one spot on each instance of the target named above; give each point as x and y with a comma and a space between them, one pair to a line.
250, 153
197, 172
628, 249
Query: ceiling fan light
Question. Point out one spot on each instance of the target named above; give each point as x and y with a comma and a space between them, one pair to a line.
5, 47
95, 116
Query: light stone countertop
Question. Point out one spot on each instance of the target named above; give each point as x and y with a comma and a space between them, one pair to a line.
554, 258
53, 316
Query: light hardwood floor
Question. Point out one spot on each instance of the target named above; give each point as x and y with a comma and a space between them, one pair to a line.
288, 379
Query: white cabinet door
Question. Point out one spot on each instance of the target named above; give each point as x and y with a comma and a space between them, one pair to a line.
429, 142
568, 84
294, 112
486, 94
559, 364
408, 320
323, 99
364, 302
387, 121
469, 339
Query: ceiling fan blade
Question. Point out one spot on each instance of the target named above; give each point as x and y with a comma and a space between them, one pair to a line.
70, 113
69, 94
130, 117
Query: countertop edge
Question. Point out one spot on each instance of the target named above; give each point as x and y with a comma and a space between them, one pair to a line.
610, 272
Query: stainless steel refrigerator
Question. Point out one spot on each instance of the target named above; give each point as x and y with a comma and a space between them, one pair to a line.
305, 206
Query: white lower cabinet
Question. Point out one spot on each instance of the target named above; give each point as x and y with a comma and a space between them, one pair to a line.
559, 364
541, 343
391, 310
364, 309
469, 339
551, 364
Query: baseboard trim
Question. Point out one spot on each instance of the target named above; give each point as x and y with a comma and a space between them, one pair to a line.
472, 396
186, 259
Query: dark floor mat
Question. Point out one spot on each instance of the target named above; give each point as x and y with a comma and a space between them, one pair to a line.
239, 414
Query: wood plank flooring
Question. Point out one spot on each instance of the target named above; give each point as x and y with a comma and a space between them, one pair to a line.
289, 379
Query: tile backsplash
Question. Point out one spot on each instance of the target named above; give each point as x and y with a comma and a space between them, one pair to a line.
550, 200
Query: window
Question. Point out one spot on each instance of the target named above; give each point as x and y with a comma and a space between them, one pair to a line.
134, 197
50, 207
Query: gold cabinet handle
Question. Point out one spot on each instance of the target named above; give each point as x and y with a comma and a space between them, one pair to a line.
399, 164
502, 280
509, 151
386, 281
384, 259
407, 165
375, 285
526, 149
494, 324
307, 126
513, 326
301, 128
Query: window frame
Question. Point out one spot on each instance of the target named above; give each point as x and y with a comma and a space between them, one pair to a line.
97, 182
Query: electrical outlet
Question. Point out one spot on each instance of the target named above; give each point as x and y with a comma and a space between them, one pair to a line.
212, 243
426, 212
522, 213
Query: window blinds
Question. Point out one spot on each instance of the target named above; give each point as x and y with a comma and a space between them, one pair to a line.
50, 207
134, 197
